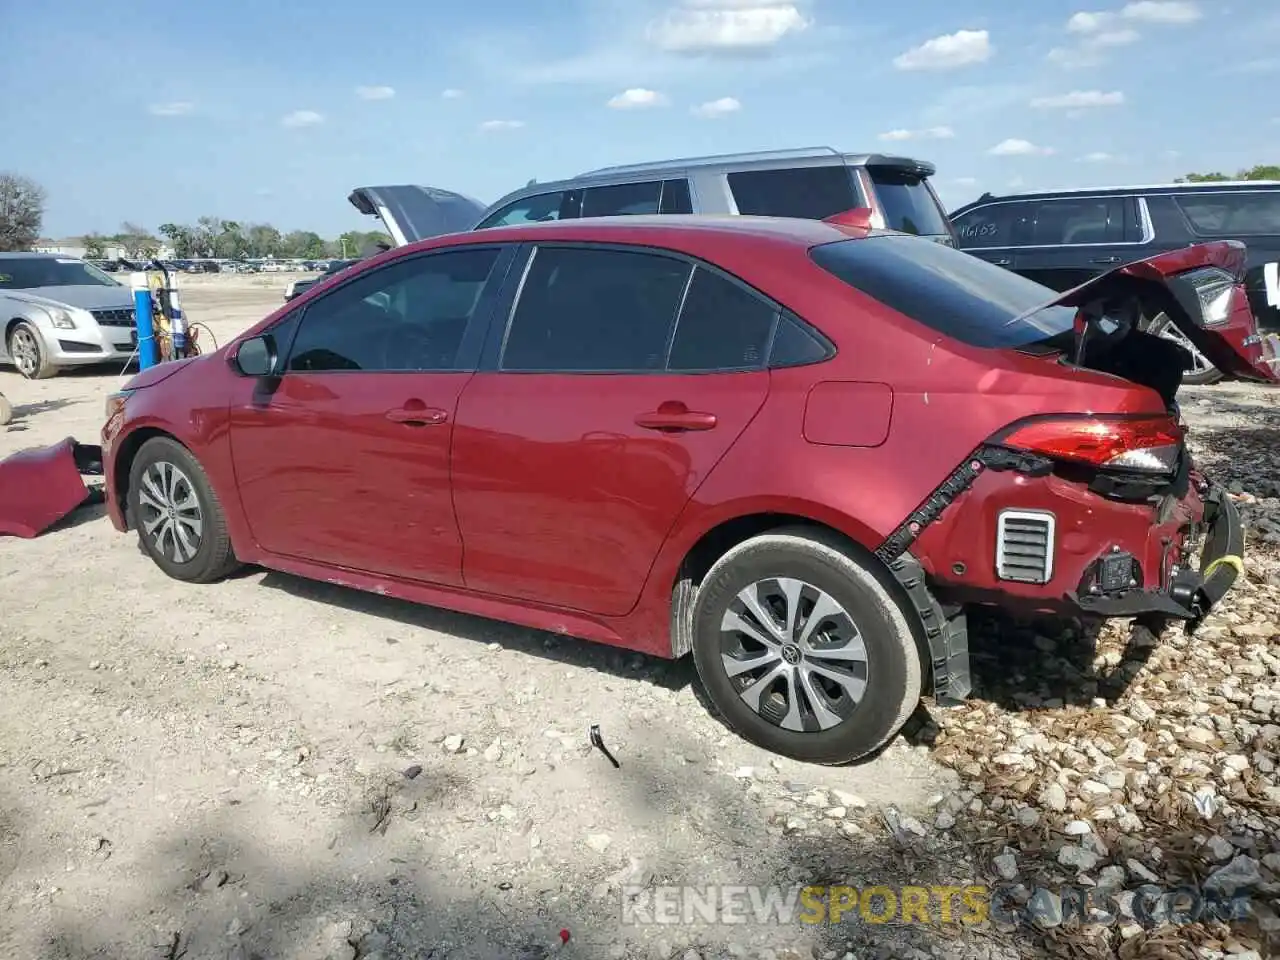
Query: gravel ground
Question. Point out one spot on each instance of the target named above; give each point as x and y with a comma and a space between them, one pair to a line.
277, 768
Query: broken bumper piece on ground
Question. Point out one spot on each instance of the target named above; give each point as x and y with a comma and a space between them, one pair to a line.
40, 486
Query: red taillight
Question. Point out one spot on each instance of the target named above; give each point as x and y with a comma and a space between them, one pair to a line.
1149, 444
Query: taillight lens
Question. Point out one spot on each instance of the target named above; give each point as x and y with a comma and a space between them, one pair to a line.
1147, 444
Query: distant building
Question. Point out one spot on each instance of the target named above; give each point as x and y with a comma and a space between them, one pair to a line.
74, 247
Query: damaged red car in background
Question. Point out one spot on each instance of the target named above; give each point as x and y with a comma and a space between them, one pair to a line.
802, 451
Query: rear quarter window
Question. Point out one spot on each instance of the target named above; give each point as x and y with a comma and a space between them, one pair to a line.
947, 290
1229, 214
810, 193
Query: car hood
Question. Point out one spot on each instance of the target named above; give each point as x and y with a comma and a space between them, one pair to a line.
412, 213
1234, 345
87, 297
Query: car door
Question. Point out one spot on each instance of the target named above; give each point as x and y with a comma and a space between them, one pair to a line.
1074, 239
344, 458
621, 379
992, 231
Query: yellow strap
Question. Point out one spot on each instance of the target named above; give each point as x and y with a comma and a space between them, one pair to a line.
1232, 561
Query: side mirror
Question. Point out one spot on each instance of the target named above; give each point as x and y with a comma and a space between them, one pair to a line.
257, 357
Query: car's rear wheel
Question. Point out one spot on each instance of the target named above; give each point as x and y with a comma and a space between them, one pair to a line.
803, 650
1201, 372
178, 517
28, 354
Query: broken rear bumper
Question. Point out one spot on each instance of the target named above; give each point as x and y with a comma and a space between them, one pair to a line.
1189, 594
39, 487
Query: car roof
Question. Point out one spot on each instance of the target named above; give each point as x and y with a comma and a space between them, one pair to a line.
689, 233
27, 255
730, 162
1210, 186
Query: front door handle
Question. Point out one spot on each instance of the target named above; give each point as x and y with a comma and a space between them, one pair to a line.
417, 416
1002, 262
1105, 260
676, 418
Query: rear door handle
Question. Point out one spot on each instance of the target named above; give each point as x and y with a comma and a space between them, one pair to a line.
676, 420
1105, 260
416, 416
1002, 262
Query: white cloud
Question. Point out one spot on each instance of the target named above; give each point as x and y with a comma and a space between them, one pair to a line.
1079, 100
1016, 183
966, 181
959, 49
492, 125
720, 26
1090, 51
1161, 11
375, 93
637, 98
451, 94
714, 109
1013, 147
931, 133
302, 118
1085, 22
177, 109
1096, 157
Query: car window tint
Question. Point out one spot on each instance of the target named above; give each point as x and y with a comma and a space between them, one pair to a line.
1072, 221
812, 193
595, 310
1239, 214
622, 199
987, 226
722, 326
409, 315
907, 202
955, 293
794, 345
535, 209
675, 197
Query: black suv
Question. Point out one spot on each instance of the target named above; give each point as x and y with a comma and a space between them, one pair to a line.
1066, 237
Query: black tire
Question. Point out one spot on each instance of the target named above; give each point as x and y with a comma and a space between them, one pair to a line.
41, 367
893, 665
1158, 326
212, 559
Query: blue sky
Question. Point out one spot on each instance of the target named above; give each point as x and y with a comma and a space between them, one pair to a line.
269, 111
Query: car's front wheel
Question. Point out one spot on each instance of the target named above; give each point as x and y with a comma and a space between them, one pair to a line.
27, 351
178, 517
803, 650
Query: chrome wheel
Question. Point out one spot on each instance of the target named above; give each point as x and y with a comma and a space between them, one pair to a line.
793, 654
171, 517
24, 351
1200, 364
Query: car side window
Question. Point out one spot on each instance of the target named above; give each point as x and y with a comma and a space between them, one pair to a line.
594, 310
986, 226
536, 209
722, 326
1232, 214
622, 199
796, 345
811, 193
409, 315
1071, 221
675, 197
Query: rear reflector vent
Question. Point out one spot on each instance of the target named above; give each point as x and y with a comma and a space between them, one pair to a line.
1024, 546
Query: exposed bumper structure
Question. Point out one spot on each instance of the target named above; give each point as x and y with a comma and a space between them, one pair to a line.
39, 487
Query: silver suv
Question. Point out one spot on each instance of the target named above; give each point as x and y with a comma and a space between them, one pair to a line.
812, 183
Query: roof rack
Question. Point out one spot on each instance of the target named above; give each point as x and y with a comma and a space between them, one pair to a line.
797, 153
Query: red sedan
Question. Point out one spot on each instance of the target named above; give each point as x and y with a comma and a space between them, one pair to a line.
799, 450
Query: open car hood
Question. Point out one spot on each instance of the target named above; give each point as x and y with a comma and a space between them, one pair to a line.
1172, 283
412, 213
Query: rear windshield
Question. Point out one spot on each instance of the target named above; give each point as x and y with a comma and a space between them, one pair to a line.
908, 205
952, 292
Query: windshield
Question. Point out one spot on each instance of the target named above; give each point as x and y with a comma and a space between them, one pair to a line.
908, 204
31, 273
952, 292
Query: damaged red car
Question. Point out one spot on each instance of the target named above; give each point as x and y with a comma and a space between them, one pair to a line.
800, 451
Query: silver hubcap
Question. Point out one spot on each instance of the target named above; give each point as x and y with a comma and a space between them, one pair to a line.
1199, 362
171, 517
793, 654
24, 351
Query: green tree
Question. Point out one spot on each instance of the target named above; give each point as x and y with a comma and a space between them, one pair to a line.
263, 240
95, 246
181, 238
1260, 172
136, 240
21, 211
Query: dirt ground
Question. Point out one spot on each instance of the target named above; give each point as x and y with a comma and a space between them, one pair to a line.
270, 767
225, 770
